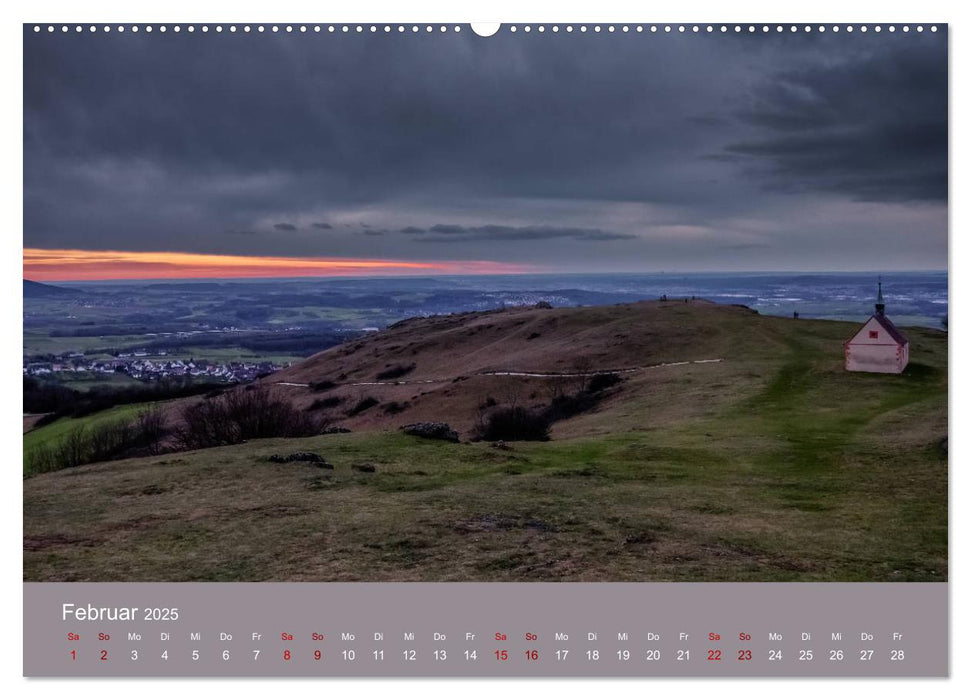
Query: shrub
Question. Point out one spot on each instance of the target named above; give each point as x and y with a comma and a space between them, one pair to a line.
395, 372
567, 406
72, 449
518, 423
41, 459
515, 423
151, 428
107, 440
604, 380
51, 397
363, 405
326, 402
102, 442
323, 385
243, 415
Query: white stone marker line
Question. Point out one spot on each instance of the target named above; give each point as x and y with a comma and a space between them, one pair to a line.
629, 370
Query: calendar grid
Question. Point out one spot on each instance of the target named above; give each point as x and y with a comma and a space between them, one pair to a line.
485, 629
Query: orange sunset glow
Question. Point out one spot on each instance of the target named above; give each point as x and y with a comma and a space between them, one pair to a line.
81, 265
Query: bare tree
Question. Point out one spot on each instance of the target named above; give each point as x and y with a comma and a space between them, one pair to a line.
151, 427
72, 450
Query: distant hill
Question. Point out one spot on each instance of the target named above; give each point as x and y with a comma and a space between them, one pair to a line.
37, 289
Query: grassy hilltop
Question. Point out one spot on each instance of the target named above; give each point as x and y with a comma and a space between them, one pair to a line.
771, 464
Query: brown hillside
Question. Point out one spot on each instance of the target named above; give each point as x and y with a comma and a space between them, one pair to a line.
453, 356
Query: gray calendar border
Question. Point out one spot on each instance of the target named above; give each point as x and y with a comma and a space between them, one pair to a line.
917, 611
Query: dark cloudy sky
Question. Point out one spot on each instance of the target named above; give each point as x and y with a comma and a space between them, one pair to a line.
559, 151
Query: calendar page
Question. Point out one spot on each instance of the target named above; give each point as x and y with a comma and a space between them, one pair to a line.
437, 350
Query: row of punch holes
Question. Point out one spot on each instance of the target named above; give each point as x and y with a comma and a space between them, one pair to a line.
428, 28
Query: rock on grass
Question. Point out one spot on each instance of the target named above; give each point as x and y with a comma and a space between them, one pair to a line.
432, 431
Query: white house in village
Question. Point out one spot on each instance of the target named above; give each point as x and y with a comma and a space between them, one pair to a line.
878, 346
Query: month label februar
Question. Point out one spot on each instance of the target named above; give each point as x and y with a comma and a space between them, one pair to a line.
483, 629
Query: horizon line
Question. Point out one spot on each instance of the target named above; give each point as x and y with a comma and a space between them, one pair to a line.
76, 265
545, 273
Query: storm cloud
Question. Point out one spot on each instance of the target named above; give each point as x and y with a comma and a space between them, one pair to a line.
630, 151
843, 127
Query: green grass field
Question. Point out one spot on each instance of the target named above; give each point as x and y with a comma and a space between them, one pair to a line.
771, 467
36, 343
52, 433
229, 354
83, 381
41, 342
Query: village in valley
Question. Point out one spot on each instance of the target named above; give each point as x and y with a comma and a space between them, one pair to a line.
137, 364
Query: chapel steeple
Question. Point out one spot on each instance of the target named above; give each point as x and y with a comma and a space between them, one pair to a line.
879, 306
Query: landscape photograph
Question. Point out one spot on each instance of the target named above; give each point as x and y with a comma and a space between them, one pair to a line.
430, 306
